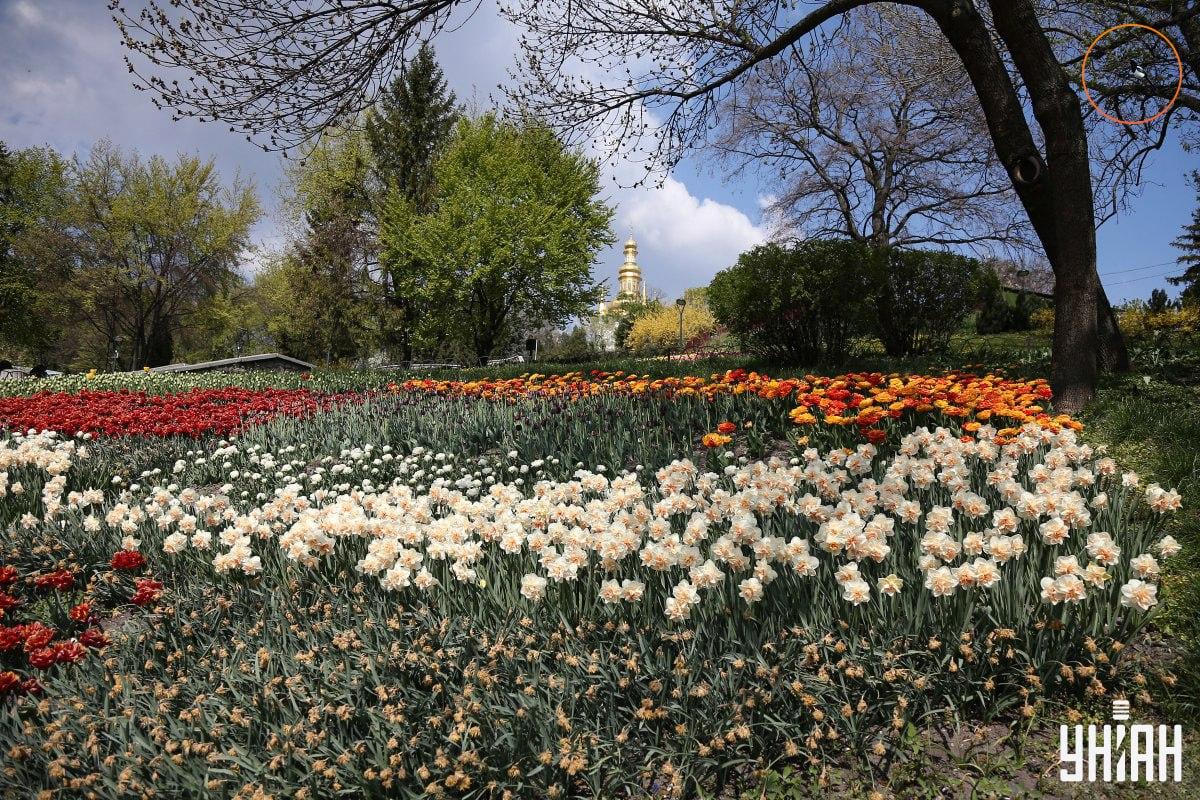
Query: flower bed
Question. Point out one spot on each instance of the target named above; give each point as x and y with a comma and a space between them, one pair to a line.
53, 617
863, 399
590, 587
190, 413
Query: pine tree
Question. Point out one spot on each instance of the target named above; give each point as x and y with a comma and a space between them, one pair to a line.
406, 133
1189, 242
409, 128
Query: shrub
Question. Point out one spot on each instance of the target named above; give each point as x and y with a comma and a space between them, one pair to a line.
657, 330
995, 314
806, 302
922, 298
629, 313
569, 347
1042, 319
1023, 310
1138, 319
802, 303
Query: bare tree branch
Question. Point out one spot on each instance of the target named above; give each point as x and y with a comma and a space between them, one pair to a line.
858, 141
278, 70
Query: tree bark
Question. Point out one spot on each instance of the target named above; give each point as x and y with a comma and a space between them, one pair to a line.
1068, 181
1114, 355
1055, 189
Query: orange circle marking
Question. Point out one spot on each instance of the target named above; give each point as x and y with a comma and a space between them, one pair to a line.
1178, 84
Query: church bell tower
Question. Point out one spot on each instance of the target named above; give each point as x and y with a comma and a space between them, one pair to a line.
629, 277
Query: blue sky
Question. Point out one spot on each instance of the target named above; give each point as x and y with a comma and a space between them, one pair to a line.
63, 84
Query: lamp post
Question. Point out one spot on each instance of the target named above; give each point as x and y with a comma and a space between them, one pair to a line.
680, 303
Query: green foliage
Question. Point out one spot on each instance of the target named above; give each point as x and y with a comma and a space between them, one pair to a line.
1158, 301
331, 305
804, 303
34, 196
1023, 308
1152, 426
407, 132
800, 304
114, 253
333, 171
509, 245
410, 127
995, 314
922, 297
1188, 242
152, 241
569, 348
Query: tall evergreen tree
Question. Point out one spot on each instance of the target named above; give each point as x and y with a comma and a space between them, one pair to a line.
407, 132
409, 128
330, 281
328, 267
1189, 242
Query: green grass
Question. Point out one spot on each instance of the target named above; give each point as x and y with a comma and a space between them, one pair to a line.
1153, 428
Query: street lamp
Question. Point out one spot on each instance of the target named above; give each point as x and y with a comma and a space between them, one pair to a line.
680, 303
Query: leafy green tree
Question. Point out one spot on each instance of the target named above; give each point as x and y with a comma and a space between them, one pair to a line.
801, 303
515, 226
1188, 242
1158, 301
152, 241
407, 131
570, 347
34, 257
336, 311
922, 297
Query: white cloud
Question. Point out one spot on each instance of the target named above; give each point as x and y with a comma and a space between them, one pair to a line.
683, 239
27, 12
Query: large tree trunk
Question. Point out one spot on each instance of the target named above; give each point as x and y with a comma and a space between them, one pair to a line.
1068, 184
1055, 189
160, 347
1073, 361
1114, 356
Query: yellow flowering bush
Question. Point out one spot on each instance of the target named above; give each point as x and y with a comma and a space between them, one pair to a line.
1138, 320
658, 331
